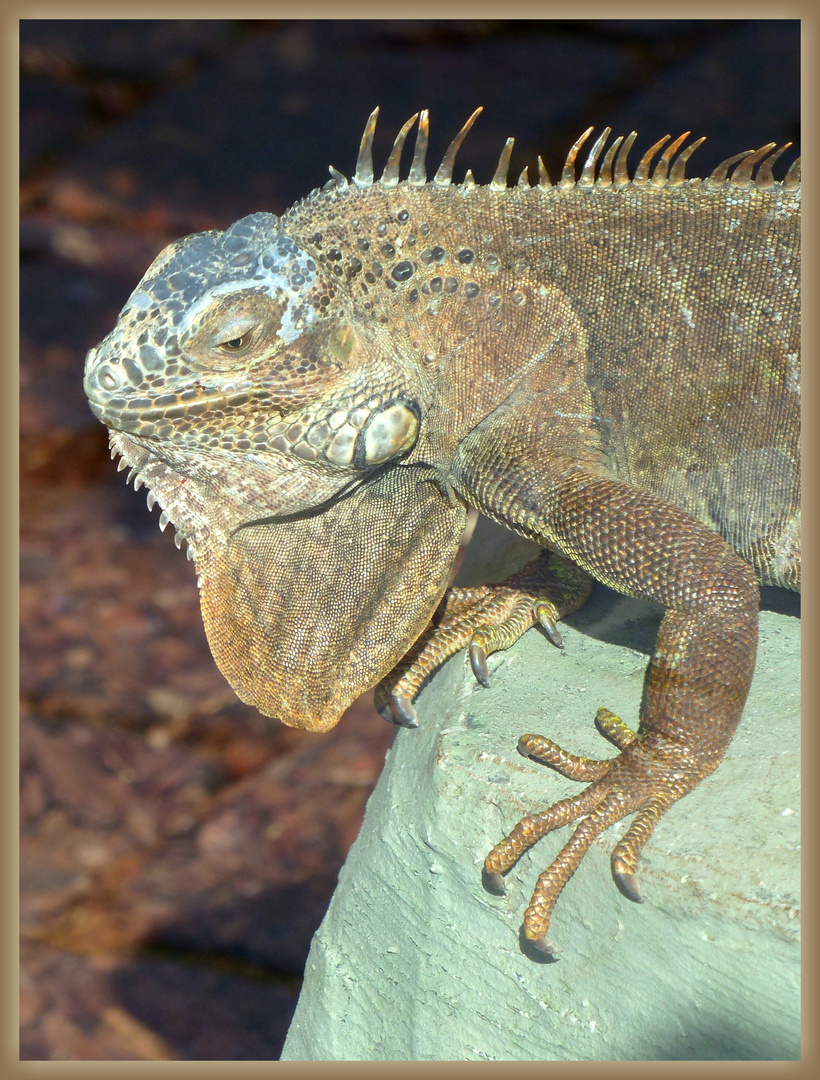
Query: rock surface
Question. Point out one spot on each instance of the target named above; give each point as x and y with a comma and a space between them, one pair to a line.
416, 961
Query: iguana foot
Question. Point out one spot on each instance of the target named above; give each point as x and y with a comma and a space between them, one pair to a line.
485, 619
647, 776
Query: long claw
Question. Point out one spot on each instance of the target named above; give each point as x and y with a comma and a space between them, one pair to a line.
545, 947
540, 949
494, 881
543, 612
628, 886
485, 619
400, 712
478, 662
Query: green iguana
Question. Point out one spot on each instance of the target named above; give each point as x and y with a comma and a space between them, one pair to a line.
608, 366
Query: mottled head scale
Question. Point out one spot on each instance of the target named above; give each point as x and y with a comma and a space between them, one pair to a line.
229, 324
162, 323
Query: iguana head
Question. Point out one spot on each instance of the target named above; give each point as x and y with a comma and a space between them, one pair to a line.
234, 345
270, 426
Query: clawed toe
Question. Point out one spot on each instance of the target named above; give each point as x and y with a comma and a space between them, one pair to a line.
486, 619
546, 615
643, 779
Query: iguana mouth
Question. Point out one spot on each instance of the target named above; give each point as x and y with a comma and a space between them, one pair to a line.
133, 418
146, 418
125, 408
359, 431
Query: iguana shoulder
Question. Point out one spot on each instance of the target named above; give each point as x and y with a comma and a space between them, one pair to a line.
691, 284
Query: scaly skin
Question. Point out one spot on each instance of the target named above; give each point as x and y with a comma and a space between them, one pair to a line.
608, 366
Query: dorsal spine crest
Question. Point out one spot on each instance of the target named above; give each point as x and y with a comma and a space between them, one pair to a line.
750, 168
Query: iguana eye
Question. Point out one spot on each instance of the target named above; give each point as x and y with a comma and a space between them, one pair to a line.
232, 328
236, 336
235, 344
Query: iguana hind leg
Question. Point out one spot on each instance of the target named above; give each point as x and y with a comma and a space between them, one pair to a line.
485, 619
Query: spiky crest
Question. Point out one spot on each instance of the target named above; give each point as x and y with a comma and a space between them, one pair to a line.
568, 174
605, 173
337, 179
677, 175
661, 171
363, 176
742, 176
445, 170
621, 174
390, 176
719, 175
668, 171
765, 178
792, 178
642, 172
587, 178
499, 180
417, 176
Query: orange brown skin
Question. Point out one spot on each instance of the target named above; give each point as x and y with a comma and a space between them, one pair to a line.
608, 366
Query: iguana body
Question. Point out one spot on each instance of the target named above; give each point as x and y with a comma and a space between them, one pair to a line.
608, 366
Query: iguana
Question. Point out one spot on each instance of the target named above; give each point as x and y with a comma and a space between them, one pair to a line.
607, 365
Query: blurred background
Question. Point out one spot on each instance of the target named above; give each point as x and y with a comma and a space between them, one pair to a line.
178, 849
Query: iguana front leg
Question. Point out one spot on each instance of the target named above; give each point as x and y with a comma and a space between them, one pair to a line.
701, 668
485, 619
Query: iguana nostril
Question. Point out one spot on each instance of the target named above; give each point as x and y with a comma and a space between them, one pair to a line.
107, 380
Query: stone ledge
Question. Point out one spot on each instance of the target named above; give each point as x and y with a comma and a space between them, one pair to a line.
416, 961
